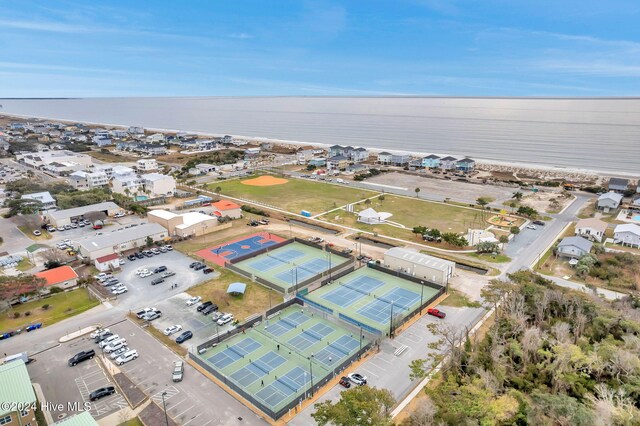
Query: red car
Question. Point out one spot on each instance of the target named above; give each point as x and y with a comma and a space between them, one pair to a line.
436, 313
345, 382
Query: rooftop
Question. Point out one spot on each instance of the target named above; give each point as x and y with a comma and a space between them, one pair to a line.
57, 275
107, 258
420, 259
155, 176
82, 419
611, 196
581, 243
593, 223
120, 236
16, 385
79, 211
628, 227
223, 205
619, 181
44, 197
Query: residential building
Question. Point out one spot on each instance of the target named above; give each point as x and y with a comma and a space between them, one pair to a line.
100, 141
41, 160
133, 130
592, 229
304, 155
431, 162
574, 247
358, 155
48, 202
17, 395
226, 139
339, 162
88, 180
63, 277
251, 152
129, 185
465, 165
448, 163
157, 185
609, 201
150, 149
384, 157
155, 138
372, 217
336, 150
185, 224
109, 262
400, 160
418, 265
120, 171
120, 240
147, 164
318, 162
627, 234
618, 185
64, 217
224, 208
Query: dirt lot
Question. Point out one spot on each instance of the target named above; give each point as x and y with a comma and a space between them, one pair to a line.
445, 188
543, 201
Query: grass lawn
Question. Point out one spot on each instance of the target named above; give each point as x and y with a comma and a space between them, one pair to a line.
61, 306
295, 195
459, 300
24, 265
487, 257
133, 422
255, 300
29, 233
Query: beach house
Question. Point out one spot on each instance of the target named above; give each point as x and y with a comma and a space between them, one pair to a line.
627, 234
384, 157
609, 201
618, 185
45, 198
574, 247
431, 162
465, 165
400, 160
591, 229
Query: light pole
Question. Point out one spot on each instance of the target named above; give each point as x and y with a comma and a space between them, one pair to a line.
311, 373
361, 336
166, 419
329, 266
421, 295
391, 321
217, 332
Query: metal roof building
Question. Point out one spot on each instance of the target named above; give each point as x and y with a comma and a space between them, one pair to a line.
120, 240
419, 265
16, 388
63, 217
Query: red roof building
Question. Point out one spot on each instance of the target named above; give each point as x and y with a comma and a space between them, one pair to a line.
107, 262
227, 208
62, 276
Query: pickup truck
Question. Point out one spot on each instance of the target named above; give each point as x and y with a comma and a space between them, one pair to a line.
144, 312
153, 315
81, 356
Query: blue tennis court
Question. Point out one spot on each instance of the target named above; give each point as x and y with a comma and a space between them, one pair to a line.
258, 368
285, 386
349, 292
311, 336
283, 325
380, 310
336, 351
234, 352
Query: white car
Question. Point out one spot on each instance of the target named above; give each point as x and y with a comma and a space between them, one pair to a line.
358, 379
115, 354
119, 214
98, 332
67, 242
194, 300
127, 356
108, 340
531, 227
114, 346
168, 247
146, 274
141, 270
224, 319
121, 261
173, 329
119, 290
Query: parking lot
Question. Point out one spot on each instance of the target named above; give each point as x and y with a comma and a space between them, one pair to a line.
175, 311
141, 293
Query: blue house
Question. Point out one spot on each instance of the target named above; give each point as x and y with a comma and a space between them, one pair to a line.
318, 162
465, 165
430, 162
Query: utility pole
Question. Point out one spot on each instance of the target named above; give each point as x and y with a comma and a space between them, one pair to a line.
311, 372
166, 419
391, 321
421, 295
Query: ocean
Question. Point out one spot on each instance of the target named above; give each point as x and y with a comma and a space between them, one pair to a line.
587, 134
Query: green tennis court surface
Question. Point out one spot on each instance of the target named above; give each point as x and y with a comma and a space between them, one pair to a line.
372, 297
290, 265
272, 362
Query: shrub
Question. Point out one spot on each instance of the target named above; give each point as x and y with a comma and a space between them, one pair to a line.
55, 290
16, 314
45, 306
27, 313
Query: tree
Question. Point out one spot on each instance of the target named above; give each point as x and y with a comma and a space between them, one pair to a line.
419, 230
311, 167
367, 201
357, 406
23, 206
527, 211
481, 201
53, 257
417, 191
95, 216
487, 247
493, 292
15, 286
514, 230
503, 239
149, 241
517, 195
218, 190
423, 415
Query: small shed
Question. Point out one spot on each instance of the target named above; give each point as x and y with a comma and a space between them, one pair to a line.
236, 288
107, 263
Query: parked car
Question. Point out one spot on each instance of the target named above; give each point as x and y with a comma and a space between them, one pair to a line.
119, 290
101, 393
102, 336
204, 306
132, 257
168, 247
139, 255
209, 309
155, 251
127, 356
167, 274
436, 312
81, 356
115, 354
207, 270
344, 381
192, 301
172, 329
226, 318
108, 340
184, 336
144, 312
193, 264
531, 227
98, 332
115, 345
199, 267
162, 249
157, 281
159, 269
152, 316
119, 214
146, 274
538, 222
141, 271
357, 378
178, 371
51, 229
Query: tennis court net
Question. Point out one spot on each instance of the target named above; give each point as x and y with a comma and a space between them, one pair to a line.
232, 349
286, 321
392, 303
278, 258
257, 365
313, 335
287, 385
356, 289
339, 349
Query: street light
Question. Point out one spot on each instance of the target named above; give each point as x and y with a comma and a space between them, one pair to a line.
391, 320
166, 419
421, 295
311, 373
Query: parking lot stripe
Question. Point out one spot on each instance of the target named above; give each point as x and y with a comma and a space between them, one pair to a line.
185, 424
178, 415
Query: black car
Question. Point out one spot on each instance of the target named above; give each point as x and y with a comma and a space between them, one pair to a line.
102, 392
538, 222
140, 255
103, 336
207, 270
193, 264
81, 356
184, 336
204, 306
157, 281
199, 267
132, 257
160, 269
211, 308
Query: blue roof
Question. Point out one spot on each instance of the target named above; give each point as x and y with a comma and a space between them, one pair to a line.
236, 288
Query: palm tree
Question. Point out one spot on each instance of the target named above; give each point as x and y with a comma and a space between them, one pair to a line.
417, 190
518, 195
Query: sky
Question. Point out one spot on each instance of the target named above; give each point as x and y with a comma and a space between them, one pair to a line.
572, 48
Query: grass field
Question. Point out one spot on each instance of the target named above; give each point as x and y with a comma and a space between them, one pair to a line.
29, 233
296, 195
110, 157
487, 257
61, 306
255, 300
458, 299
412, 212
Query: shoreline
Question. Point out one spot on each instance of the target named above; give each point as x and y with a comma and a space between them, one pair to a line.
503, 165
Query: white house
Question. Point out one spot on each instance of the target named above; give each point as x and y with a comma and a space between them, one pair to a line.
130, 185
372, 217
448, 163
147, 164
574, 247
155, 138
384, 157
84, 181
108, 262
609, 201
627, 235
592, 229
134, 130
48, 202
159, 185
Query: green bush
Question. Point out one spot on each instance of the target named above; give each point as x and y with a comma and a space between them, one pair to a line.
16, 314
27, 313
45, 306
